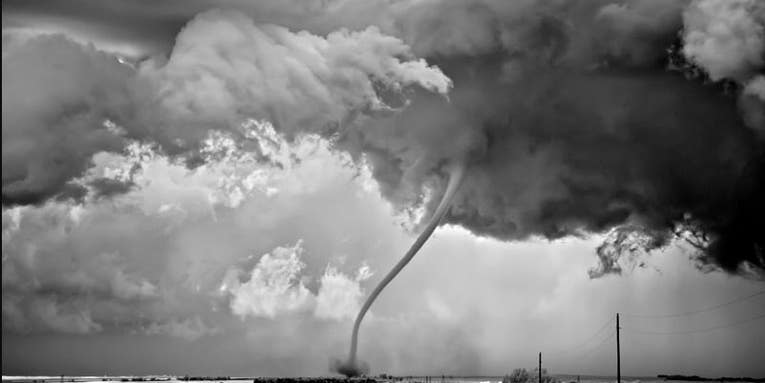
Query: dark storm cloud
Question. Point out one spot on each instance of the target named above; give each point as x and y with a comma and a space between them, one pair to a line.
64, 102
57, 95
571, 133
628, 31
566, 110
149, 28
590, 151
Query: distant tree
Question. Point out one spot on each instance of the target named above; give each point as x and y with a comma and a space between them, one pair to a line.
546, 378
519, 375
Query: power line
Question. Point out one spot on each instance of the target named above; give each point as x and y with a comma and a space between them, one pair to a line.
693, 312
585, 356
639, 331
587, 340
586, 353
599, 345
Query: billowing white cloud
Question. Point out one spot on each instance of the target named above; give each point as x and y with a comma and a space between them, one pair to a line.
152, 257
276, 286
224, 67
725, 37
340, 296
272, 287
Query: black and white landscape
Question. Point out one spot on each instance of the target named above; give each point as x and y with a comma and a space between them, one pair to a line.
410, 190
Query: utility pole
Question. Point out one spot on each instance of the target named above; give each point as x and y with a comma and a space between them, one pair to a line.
540, 367
618, 356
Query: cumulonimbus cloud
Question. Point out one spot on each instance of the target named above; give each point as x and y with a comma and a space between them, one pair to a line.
275, 287
566, 133
57, 95
63, 100
149, 261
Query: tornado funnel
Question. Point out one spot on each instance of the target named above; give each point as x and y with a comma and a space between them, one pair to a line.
352, 367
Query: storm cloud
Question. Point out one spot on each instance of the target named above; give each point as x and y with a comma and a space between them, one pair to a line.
198, 132
224, 69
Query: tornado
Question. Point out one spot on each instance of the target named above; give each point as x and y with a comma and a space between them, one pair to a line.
353, 367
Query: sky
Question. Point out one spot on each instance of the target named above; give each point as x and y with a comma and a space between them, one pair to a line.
213, 188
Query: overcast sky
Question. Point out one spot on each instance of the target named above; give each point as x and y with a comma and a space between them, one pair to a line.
213, 188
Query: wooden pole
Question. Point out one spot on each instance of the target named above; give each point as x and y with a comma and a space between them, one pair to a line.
540, 367
618, 356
